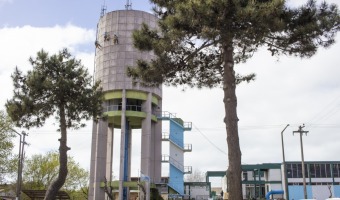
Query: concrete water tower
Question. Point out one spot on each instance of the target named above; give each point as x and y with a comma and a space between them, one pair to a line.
128, 106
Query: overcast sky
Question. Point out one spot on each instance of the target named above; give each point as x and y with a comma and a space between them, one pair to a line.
286, 91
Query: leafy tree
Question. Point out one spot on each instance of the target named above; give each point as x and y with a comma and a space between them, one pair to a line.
198, 43
8, 160
195, 176
59, 86
40, 170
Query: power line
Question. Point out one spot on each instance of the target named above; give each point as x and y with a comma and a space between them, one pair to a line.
327, 111
244, 128
213, 144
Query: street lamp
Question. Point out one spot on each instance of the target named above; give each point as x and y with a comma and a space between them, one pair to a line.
284, 164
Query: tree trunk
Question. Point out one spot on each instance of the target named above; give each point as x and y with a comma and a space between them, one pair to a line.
55, 186
231, 121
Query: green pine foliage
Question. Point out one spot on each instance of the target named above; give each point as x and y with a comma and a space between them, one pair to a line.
199, 43
193, 34
58, 86
57, 82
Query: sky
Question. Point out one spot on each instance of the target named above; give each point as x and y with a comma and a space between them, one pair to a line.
287, 90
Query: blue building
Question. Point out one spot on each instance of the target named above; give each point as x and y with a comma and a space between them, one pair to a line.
174, 135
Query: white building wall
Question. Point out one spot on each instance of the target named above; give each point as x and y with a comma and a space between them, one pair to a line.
295, 180
224, 184
197, 192
271, 187
274, 175
250, 175
321, 191
318, 180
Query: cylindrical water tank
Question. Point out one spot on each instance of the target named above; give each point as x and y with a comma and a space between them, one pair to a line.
115, 51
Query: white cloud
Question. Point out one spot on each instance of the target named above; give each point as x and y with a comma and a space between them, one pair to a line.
20, 43
303, 2
290, 90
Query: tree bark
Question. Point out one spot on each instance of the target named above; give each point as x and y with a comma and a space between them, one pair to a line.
231, 121
55, 186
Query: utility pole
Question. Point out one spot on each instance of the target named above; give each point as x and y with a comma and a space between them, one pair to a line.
21, 162
284, 164
19, 166
22, 144
301, 131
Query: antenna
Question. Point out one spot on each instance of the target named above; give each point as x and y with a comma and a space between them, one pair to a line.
103, 10
128, 5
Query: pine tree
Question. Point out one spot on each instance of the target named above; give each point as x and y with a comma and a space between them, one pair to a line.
59, 86
199, 42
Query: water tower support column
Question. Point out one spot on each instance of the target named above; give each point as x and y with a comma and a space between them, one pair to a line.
98, 156
146, 145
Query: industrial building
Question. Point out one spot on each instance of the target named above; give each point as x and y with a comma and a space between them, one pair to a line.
267, 180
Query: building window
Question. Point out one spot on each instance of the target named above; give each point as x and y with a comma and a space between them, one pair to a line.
323, 170
320, 170
245, 176
336, 173
299, 172
312, 170
294, 170
289, 171
328, 170
317, 171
